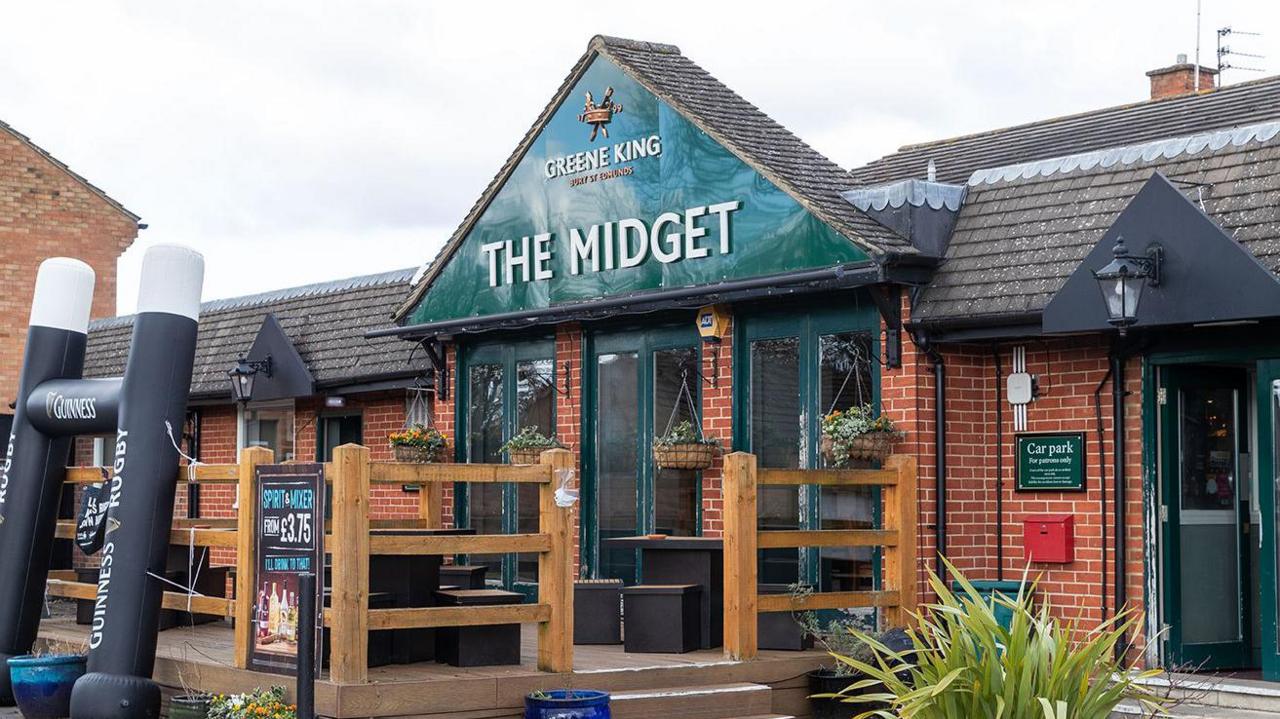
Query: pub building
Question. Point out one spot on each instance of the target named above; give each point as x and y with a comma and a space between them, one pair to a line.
1072, 321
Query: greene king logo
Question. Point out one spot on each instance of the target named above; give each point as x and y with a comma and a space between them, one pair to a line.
599, 116
57, 406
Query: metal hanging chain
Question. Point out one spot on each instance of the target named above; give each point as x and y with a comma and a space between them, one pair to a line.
675, 406
858, 359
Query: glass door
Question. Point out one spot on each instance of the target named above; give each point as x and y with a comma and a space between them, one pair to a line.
793, 369
1204, 427
506, 387
636, 379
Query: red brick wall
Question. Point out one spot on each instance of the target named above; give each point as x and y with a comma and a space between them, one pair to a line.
717, 421
1069, 371
44, 213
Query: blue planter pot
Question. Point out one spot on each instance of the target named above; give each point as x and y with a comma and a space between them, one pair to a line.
566, 704
42, 685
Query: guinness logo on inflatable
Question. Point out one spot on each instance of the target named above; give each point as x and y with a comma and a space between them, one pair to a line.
56, 406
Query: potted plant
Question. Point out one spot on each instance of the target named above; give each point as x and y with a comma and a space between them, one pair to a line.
192, 705
42, 681
567, 704
684, 447
857, 433
961, 661
418, 444
528, 445
257, 704
841, 637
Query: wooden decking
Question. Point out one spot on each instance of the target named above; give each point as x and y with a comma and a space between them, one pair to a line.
203, 657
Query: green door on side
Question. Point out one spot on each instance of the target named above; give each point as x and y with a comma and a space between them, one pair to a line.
1204, 428
1268, 389
636, 380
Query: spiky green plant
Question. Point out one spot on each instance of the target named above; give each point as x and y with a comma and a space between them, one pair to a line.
964, 664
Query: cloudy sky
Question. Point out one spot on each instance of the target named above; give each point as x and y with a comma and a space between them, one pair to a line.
295, 142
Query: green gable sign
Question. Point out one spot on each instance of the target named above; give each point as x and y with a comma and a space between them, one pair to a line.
619, 193
1053, 462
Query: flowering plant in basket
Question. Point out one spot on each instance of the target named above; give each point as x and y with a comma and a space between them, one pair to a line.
857, 433
684, 447
418, 444
528, 444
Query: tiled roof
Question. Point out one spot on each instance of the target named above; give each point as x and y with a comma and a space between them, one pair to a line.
325, 321
7, 128
1023, 230
957, 158
769, 148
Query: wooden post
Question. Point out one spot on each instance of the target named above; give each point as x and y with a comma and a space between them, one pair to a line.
430, 501
740, 640
900, 516
555, 569
246, 521
349, 598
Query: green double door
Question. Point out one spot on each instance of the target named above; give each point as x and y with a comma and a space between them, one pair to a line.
639, 383
1219, 437
504, 387
793, 367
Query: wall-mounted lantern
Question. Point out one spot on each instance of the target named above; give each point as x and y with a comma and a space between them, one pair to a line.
1123, 279
243, 376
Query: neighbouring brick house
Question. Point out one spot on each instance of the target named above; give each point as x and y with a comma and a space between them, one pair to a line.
47, 210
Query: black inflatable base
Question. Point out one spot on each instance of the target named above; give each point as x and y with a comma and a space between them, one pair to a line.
114, 696
6, 688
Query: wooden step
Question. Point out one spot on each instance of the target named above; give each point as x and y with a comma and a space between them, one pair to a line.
719, 701
1194, 711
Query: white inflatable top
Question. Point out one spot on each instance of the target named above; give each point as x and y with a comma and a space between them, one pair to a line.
63, 295
172, 279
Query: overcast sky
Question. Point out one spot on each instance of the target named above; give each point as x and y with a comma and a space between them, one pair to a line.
296, 142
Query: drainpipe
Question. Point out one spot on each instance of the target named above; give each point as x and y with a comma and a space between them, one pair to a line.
1102, 480
995, 354
939, 449
940, 452
1117, 399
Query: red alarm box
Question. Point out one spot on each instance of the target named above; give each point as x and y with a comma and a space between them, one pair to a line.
1049, 538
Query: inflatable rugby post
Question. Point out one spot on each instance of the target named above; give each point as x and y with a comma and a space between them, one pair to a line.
36, 463
143, 410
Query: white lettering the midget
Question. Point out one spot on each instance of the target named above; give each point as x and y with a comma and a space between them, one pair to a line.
619, 244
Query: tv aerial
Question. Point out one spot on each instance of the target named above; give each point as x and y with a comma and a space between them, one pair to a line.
1225, 52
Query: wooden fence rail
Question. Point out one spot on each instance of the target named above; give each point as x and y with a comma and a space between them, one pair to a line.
349, 542
742, 540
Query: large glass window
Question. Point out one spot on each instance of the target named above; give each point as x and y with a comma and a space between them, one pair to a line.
335, 431
675, 390
777, 441
617, 462
844, 381
535, 407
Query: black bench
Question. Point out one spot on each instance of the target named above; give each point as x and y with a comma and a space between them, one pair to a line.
597, 611
662, 618
479, 646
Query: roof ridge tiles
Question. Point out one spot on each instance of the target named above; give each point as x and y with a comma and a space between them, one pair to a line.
1126, 155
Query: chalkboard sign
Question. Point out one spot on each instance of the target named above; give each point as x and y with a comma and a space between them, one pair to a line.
289, 536
1051, 462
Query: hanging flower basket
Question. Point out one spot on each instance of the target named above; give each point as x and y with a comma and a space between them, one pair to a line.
527, 446
525, 456
872, 446
418, 444
692, 455
416, 455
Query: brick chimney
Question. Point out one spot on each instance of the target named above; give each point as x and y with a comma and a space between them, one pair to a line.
1180, 79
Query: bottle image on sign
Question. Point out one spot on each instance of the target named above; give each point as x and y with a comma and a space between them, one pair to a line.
262, 611
273, 621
